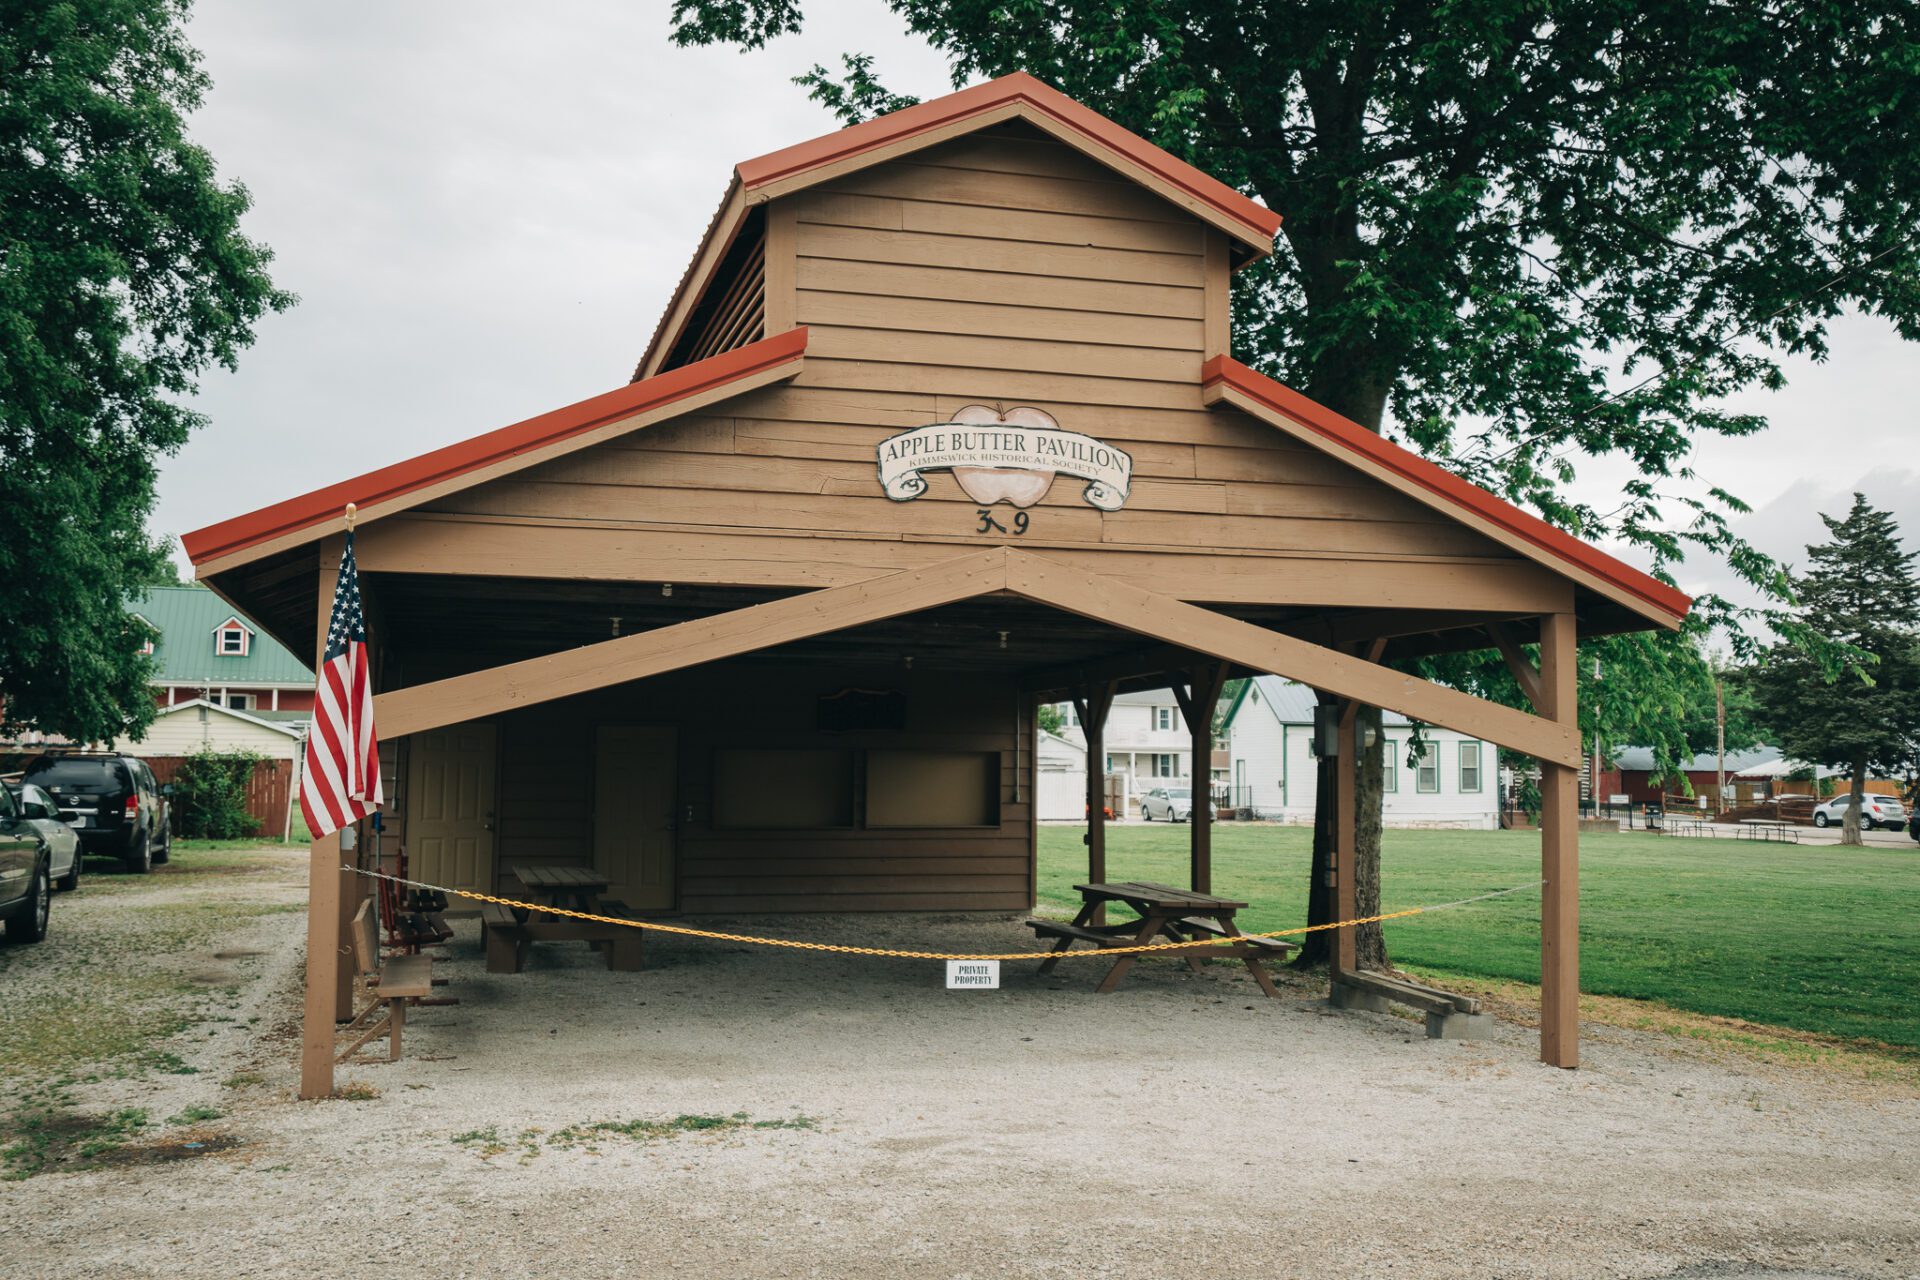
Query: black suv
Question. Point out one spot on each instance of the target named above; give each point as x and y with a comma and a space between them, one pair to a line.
112, 803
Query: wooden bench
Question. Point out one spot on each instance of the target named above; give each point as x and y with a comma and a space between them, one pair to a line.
504, 938
1106, 937
508, 939
1449, 1016
400, 979
1277, 947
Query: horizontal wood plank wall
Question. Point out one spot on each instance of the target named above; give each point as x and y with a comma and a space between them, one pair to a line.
1001, 269
547, 804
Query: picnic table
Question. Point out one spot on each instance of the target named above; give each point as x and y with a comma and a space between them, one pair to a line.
509, 933
1165, 913
578, 888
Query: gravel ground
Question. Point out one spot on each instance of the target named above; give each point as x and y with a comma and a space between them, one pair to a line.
1181, 1123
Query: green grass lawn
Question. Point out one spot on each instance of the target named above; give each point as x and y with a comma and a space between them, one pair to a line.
1819, 939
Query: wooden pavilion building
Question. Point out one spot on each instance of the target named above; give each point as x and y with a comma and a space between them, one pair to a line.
940, 423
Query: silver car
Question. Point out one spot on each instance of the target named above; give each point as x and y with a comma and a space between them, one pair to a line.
1878, 811
38, 811
1167, 804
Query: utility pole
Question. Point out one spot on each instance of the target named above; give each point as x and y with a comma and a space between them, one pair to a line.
1594, 781
1720, 745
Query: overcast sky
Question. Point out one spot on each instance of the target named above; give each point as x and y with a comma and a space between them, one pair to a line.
484, 207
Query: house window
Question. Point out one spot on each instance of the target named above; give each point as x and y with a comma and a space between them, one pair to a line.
1429, 779
230, 639
1163, 717
1166, 766
1390, 767
239, 701
1469, 766
1069, 717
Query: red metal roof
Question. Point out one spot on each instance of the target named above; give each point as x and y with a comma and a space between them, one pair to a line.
1349, 436
324, 506
1259, 221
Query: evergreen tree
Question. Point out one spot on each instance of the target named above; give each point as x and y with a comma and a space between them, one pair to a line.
1858, 589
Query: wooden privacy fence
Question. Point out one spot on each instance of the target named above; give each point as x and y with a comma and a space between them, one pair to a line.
268, 789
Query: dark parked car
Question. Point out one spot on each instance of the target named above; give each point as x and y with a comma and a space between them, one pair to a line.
112, 802
26, 874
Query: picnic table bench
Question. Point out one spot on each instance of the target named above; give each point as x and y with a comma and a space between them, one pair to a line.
1165, 913
1772, 829
509, 934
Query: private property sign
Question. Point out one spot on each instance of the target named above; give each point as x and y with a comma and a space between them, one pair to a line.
1007, 457
983, 975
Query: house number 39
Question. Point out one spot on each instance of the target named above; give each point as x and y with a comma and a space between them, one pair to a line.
988, 524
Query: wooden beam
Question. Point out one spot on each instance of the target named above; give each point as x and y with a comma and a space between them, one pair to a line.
687, 644
1559, 854
1165, 661
1517, 662
780, 286
1049, 582
609, 550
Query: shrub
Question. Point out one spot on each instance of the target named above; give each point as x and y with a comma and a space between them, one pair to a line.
210, 795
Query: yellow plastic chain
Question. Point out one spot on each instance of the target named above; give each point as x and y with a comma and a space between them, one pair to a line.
839, 948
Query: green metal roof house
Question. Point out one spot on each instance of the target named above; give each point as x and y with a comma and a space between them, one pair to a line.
203, 649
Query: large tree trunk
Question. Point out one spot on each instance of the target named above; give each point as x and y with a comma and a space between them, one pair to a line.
1370, 942
1850, 825
1317, 948
1347, 388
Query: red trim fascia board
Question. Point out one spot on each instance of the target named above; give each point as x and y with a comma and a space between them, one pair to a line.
1350, 435
1041, 97
324, 506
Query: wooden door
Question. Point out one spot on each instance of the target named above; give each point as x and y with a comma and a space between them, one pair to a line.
633, 813
450, 806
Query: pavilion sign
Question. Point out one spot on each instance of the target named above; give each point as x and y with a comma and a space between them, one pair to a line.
1007, 457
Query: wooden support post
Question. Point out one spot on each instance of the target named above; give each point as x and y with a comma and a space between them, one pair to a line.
329, 973
1559, 856
324, 957
1346, 792
1197, 702
1092, 707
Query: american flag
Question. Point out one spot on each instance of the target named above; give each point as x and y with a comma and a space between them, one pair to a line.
340, 782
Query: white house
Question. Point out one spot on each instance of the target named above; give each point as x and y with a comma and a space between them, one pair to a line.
187, 727
1146, 740
1060, 789
1269, 731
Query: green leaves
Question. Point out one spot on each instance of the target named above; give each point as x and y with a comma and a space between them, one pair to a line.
123, 275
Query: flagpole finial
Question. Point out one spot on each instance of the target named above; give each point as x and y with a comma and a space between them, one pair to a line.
351, 509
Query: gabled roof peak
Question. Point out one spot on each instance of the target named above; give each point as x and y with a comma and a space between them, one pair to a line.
1022, 96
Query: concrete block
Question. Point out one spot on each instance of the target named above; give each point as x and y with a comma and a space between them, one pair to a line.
1342, 996
1459, 1026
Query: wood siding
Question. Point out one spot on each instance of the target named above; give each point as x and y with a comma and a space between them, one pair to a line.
547, 803
1000, 269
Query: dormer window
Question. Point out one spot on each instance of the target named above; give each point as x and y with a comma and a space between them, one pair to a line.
232, 638
147, 632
